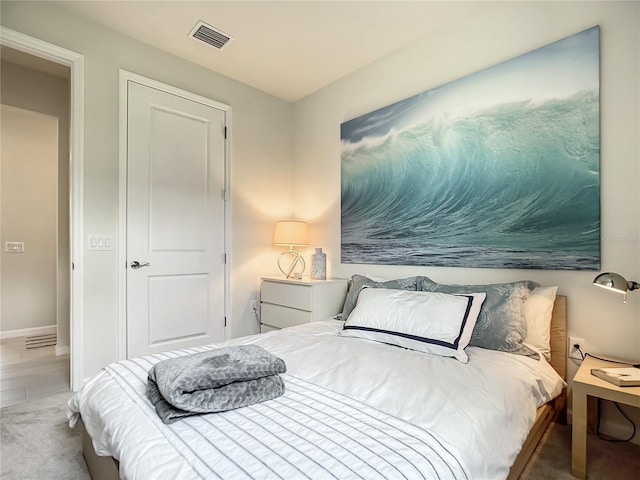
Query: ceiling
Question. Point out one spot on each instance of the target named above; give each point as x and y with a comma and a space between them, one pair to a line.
289, 49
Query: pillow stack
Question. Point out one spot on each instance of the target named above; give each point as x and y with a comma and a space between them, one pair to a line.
420, 314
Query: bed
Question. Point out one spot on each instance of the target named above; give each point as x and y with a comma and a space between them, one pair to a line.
352, 408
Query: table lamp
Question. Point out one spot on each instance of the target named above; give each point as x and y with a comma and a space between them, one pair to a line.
291, 233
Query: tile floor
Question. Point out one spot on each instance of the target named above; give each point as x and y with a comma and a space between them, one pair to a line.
29, 374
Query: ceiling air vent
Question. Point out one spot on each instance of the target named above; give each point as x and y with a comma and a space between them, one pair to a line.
211, 35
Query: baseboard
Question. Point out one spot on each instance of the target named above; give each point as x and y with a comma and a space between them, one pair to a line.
26, 332
62, 350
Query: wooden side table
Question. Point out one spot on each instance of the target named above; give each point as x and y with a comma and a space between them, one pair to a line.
587, 385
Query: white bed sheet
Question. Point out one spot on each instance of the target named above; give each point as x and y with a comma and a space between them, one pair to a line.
483, 410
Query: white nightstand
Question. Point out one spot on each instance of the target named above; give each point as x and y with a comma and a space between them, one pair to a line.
587, 385
287, 302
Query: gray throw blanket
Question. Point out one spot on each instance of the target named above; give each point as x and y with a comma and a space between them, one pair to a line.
214, 381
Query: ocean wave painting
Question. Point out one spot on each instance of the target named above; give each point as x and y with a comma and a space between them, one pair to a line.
498, 169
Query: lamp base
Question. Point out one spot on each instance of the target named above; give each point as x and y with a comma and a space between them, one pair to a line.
295, 267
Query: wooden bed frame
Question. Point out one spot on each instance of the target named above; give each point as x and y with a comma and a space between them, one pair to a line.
557, 409
106, 468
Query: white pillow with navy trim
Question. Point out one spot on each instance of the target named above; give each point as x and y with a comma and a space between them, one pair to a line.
429, 322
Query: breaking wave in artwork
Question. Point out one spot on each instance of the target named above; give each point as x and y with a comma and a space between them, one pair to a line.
516, 186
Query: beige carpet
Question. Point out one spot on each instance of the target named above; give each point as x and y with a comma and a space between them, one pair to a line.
605, 460
36, 443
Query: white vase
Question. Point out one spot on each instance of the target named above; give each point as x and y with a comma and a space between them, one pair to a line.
319, 265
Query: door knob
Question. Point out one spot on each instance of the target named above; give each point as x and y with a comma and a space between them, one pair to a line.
136, 264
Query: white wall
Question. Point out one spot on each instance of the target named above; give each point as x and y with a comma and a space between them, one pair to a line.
261, 156
495, 34
29, 203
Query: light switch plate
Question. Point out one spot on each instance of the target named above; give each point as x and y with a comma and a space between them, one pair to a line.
14, 247
100, 242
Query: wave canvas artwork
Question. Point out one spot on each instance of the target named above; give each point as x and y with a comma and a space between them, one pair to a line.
498, 169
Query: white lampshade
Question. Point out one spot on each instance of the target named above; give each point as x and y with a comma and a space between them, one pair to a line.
291, 233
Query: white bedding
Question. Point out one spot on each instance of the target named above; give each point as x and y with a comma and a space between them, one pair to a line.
480, 412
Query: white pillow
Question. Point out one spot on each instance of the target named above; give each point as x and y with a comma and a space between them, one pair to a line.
430, 322
537, 312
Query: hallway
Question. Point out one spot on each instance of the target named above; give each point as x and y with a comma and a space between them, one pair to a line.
30, 374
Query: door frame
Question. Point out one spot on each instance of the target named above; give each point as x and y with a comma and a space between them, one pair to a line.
75, 61
125, 77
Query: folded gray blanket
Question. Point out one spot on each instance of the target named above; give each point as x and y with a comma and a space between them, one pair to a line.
214, 381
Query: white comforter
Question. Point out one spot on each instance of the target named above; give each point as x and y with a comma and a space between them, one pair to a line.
480, 412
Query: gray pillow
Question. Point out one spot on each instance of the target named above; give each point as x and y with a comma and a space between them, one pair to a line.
501, 324
358, 282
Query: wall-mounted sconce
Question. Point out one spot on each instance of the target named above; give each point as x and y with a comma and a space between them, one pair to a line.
615, 283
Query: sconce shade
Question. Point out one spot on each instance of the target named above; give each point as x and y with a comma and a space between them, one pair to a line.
615, 283
291, 233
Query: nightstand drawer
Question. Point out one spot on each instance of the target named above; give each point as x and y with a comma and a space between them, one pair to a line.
282, 317
290, 295
266, 328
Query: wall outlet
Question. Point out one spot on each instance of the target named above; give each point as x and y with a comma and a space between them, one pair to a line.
573, 351
253, 305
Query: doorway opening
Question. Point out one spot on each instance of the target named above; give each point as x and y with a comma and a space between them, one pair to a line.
35, 267
40, 58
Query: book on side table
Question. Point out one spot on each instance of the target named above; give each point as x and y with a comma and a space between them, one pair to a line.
620, 376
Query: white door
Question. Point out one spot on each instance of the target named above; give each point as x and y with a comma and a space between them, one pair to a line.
175, 222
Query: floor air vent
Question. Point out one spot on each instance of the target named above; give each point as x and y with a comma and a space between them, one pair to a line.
40, 341
210, 35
